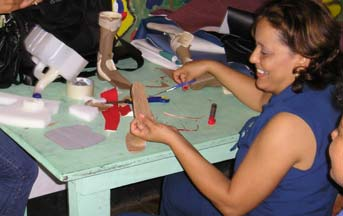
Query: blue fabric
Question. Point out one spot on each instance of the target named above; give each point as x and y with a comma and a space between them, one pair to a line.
17, 174
180, 197
134, 214
340, 213
300, 192
162, 41
209, 37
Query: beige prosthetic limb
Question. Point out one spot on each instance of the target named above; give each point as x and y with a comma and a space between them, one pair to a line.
180, 43
109, 24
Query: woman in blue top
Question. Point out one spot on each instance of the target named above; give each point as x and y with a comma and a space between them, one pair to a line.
281, 166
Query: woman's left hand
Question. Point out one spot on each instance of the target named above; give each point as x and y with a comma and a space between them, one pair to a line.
150, 130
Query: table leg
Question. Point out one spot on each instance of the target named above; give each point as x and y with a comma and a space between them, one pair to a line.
97, 203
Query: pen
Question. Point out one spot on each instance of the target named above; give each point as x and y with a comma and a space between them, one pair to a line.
176, 86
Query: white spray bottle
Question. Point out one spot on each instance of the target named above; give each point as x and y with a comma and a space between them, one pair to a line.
52, 55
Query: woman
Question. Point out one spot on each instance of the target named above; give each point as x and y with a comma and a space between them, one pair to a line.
281, 166
18, 171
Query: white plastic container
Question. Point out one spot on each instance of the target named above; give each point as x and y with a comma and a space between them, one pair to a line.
49, 52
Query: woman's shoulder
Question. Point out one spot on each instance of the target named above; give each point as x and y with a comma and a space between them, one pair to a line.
315, 107
313, 99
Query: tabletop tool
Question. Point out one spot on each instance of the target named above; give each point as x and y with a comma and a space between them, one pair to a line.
212, 117
180, 85
151, 99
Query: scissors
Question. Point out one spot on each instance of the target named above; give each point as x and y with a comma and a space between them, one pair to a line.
180, 85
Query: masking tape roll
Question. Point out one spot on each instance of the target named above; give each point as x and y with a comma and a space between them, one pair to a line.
80, 88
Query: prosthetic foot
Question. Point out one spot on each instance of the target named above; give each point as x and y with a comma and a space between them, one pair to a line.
180, 44
109, 24
180, 41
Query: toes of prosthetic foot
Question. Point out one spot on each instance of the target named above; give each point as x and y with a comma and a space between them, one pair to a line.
183, 39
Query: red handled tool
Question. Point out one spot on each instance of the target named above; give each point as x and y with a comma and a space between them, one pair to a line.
212, 117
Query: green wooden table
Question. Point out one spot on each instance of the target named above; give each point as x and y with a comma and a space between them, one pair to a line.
91, 172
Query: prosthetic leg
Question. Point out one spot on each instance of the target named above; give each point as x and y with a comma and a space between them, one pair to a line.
180, 42
109, 24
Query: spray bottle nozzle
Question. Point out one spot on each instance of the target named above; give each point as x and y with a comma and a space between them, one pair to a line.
45, 80
37, 95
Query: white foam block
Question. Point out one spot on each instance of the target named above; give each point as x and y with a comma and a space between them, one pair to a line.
20, 115
87, 113
10, 99
19, 111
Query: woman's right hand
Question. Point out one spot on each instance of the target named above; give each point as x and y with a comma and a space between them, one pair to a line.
191, 70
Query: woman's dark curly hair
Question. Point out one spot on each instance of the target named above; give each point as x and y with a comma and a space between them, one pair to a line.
307, 28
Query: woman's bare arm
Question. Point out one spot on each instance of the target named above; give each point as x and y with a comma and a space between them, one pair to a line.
241, 85
285, 142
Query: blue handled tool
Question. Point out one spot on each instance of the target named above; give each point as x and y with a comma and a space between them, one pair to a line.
158, 99
151, 99
180, 85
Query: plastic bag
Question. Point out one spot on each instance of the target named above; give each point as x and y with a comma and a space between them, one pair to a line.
10, 57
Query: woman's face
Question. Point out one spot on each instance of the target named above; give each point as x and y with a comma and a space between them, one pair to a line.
274, 61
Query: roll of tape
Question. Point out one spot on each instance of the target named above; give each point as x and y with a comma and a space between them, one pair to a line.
80, 88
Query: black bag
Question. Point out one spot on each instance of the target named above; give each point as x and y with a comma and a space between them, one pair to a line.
73, 22
11, 55
239, 44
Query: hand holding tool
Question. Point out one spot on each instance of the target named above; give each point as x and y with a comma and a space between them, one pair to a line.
180, 85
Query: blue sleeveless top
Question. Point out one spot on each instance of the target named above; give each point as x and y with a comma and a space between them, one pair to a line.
299, 192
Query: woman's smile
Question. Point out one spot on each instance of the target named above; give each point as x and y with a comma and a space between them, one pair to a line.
260, 73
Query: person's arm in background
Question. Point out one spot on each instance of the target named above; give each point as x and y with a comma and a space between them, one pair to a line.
336, 154
8, 6
336, 157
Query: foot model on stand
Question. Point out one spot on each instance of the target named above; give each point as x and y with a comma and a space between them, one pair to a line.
109, 24
180, 42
